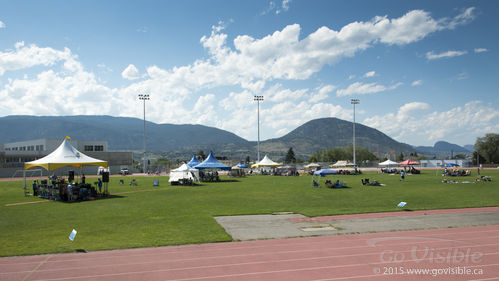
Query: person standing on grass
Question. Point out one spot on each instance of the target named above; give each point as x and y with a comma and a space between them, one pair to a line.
402, 175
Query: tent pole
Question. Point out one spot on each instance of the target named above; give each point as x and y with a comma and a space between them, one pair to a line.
24, 176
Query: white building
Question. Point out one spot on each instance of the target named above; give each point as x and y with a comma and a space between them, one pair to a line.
14, 154
463, 163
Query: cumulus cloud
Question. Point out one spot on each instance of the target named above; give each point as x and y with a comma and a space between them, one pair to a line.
414, 121
242, 68
28, 56
131, 72
359, 88
2, 25
433, 56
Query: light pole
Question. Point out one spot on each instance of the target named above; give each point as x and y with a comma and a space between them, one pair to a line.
354, 102
258, 99
144, 98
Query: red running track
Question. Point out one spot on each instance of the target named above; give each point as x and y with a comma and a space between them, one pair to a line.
468, 253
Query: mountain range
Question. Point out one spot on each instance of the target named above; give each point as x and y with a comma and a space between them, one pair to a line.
180, 141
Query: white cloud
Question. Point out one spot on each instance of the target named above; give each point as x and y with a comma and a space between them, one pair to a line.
28, 56
465, 17
417, 83
277, 94
2, 25
284, 7
285, 4
433, 56
413, 123
480, 50
269, 9
359, 88
247, 67
131, 72
322, 93
370, 74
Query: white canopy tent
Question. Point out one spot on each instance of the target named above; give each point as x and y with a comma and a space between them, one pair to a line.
342, 163
388, 163
266, 162
65, 155
184, 172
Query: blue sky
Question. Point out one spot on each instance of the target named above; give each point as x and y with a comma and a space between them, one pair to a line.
423, 70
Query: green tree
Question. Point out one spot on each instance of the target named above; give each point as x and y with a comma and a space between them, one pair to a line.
345, 153
201, 155
290, 156
400, 157
488, 147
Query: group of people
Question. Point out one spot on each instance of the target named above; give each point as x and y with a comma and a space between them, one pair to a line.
456, 172
60, 189
336, 184
371, 183
209, 176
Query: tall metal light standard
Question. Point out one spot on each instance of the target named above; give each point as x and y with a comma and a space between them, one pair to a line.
354, 102
144, 98
258, 99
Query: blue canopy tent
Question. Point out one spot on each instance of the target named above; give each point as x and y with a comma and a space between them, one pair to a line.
242, 166
194, 161
212, 163
449, 165
325, 172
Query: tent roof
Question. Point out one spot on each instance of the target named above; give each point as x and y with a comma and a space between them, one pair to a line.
212, 163
240, 166
408, 162
312, 165
447, 165
266, 162
184, 168
342, 163
194, 161
64, 155
388, 163
325, 172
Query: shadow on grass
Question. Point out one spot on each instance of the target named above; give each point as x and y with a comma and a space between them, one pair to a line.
111, 196
80, 251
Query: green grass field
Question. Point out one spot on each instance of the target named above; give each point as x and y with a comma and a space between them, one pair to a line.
171, 215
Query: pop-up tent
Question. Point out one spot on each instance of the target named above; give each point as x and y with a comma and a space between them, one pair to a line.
342, 163
388, 163
65, 155
408, 162
212, 163
194, 161
266, 162
449, 165
325, 172
241, 165
183, 173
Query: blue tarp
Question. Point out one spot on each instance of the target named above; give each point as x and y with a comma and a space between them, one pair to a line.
212, 163
193, 162
242, 166
324, 172
449, 165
